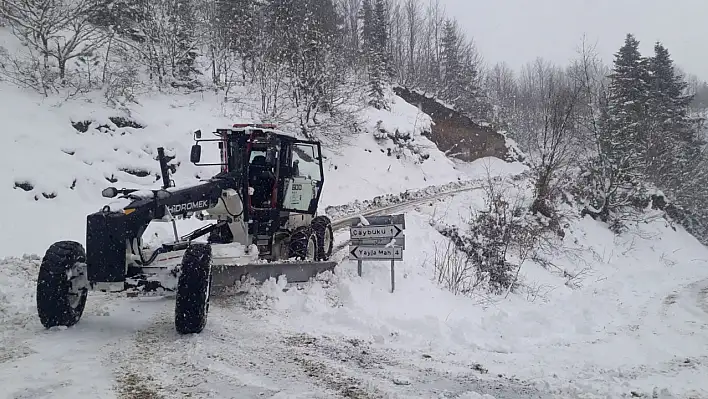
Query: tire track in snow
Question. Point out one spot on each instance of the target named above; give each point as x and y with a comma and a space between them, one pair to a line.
147, 359
702, 295
159, 341
691, 299
236, 356
359, 369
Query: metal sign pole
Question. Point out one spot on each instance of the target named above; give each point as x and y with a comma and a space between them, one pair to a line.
393, 276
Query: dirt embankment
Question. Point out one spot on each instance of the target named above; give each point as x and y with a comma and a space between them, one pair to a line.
456, 134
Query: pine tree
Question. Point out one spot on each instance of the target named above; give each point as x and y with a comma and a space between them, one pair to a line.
674, 145
184, 26
627, 112
375, 42
617, 173
678, 164
306, 39
235, 21
460, 75
366, 14
452, 64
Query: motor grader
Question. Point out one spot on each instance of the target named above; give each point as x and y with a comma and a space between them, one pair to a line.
259, 216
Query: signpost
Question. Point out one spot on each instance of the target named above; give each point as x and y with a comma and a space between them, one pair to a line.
381, 239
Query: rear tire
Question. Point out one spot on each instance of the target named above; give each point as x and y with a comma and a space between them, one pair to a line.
58, 302
193, 289
325, 238
303, 244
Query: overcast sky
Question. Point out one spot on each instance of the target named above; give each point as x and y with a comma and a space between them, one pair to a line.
517, 31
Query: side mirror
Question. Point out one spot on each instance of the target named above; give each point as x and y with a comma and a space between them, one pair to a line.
109, 192
197, 134
196, 155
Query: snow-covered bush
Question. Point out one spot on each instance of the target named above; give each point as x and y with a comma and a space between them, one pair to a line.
498, 239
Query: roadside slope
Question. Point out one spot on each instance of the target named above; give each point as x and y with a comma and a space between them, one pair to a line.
60, 154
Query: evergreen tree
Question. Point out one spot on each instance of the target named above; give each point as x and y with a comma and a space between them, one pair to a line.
235, 26
307, 40
119, 15
460, 85
452, 79
674, 145
184, 25
366, 14
381, 39
616, 175
627, 112
678, 164
375, 42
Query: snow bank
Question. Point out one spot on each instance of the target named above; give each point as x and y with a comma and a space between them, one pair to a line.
18, 277
632, 319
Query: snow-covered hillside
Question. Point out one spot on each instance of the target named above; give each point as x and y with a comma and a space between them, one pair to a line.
53, 172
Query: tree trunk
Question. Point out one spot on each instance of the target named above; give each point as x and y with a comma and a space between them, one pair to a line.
62, 70
541, 203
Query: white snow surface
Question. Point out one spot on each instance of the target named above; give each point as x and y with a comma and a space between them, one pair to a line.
634, 326
637, 323
613, 317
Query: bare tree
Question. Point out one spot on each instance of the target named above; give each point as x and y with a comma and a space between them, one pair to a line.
165, 42
500, 84
547, 108
57, 29
413, 15
591, 74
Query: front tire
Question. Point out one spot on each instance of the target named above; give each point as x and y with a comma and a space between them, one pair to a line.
193, 289
303, 244
325, 238
61, 297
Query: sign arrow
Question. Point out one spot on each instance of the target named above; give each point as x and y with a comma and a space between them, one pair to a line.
366, 252
387, 231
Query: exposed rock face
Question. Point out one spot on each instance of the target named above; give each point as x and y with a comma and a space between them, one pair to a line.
456, 134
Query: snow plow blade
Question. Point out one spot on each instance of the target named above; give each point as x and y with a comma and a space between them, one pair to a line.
294, 272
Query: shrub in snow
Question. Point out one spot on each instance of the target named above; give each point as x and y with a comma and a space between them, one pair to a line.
496, 243
617, 204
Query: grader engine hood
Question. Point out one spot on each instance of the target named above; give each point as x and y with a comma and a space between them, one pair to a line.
179, 202
108, 230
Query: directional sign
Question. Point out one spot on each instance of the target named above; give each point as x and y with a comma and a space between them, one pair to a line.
390, 231
377, 253
399, 241
379, 237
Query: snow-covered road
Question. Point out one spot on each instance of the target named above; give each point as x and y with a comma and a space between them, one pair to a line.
127, 348
639, 328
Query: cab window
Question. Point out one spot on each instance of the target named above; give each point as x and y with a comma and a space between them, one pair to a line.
304, 182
